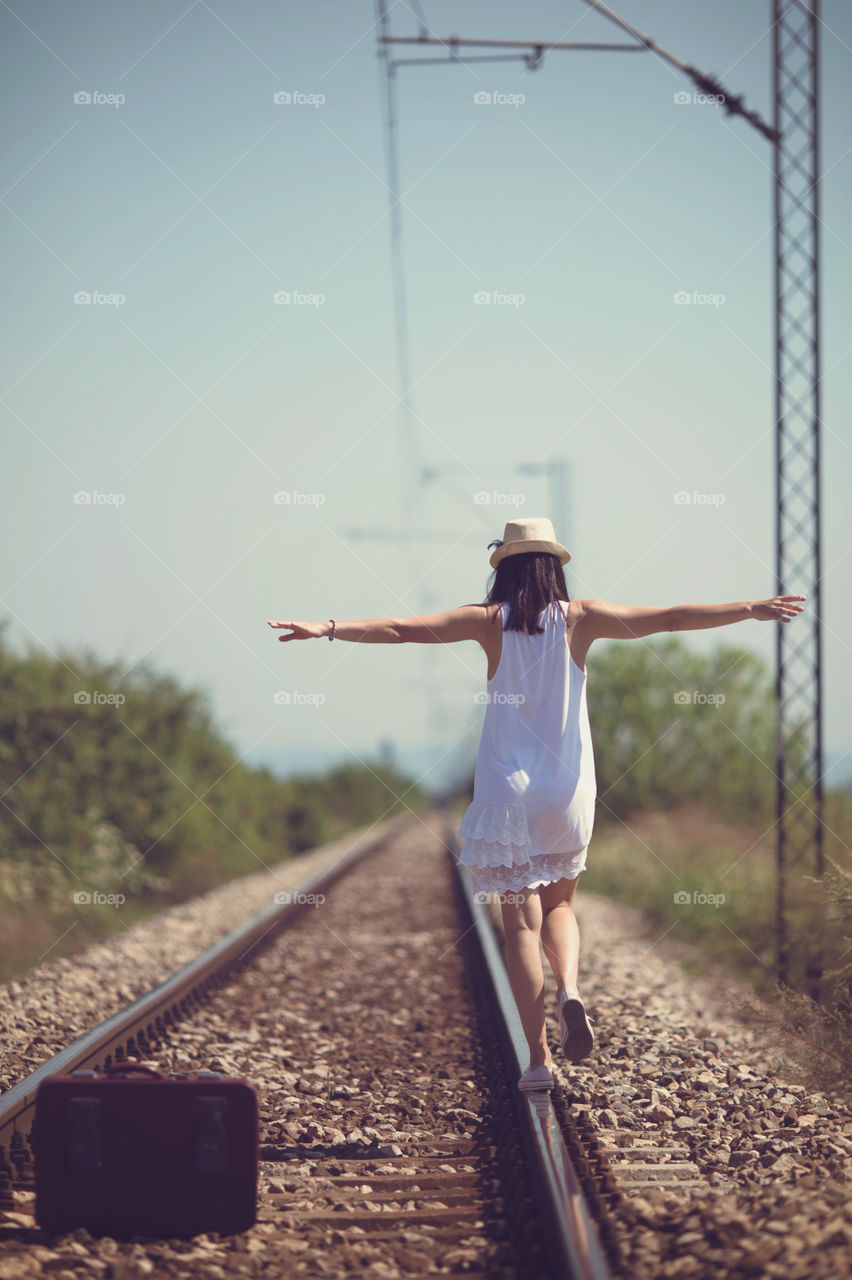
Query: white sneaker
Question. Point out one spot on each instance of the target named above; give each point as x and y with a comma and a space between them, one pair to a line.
536, 1078
578, 1038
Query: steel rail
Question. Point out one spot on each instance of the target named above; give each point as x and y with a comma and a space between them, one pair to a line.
574, 1243
160, 1007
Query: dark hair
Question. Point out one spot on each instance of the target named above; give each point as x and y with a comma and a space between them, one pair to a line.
527, 582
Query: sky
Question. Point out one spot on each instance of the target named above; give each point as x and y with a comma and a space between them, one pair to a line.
187, 457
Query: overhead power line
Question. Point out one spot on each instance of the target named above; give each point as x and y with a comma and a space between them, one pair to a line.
732, 103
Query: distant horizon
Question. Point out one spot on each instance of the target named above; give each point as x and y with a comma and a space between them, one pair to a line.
415, 759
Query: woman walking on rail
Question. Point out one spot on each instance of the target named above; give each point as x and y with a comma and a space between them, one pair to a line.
527, 830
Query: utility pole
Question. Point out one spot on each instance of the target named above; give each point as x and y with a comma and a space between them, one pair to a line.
798, 743
411, 469
558, 472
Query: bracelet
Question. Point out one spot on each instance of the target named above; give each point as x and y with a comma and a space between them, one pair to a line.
333, 626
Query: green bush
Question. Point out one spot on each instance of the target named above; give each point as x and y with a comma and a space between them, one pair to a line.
670, 725
144, 798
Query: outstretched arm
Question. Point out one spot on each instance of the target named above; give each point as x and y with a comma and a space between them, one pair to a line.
604, 621
464, 623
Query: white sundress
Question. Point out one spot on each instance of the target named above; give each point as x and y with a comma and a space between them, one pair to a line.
533, 808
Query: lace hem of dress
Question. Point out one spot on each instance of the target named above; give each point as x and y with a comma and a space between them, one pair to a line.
492, 823
529, 874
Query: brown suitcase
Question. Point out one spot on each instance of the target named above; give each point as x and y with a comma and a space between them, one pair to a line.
131, 1150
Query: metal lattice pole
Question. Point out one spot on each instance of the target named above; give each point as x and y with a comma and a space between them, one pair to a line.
798, 754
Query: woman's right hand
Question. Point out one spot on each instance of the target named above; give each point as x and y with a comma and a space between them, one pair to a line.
778, 609
302, 630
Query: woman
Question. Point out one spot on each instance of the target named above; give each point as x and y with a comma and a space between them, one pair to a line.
527, 829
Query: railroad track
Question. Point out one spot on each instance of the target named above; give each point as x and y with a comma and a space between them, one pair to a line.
380, 1030
623, 1162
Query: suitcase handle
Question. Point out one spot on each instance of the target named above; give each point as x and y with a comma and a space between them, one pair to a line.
126, 1068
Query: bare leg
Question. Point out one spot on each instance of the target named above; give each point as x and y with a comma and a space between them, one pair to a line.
522, 929
559, 932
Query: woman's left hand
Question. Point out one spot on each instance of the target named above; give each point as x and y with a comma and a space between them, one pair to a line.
303, 630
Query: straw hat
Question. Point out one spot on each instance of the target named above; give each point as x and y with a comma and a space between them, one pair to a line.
535, 534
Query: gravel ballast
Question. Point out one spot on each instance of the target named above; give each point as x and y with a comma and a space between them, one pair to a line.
62, 999
681, 1068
